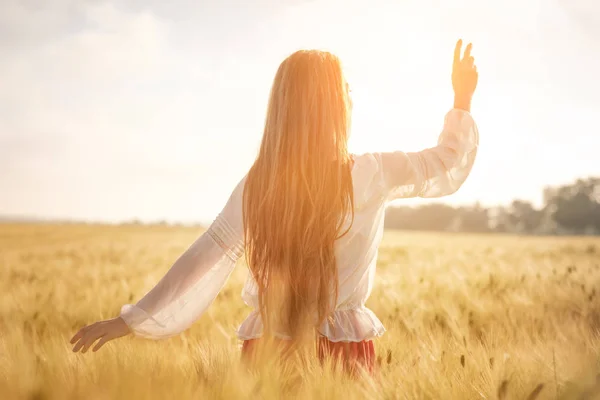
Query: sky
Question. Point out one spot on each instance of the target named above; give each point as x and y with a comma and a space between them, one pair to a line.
152, 110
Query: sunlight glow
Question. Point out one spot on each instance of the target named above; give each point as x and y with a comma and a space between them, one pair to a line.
129, 112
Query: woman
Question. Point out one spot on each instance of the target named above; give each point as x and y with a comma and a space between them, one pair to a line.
309, 218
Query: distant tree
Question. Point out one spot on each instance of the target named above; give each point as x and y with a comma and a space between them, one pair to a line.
474, 219
575, 207
437, 217
523, 217
572, 208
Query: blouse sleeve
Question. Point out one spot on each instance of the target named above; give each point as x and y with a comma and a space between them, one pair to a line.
437, 171
194, 280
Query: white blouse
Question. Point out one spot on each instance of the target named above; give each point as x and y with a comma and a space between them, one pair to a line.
196, 278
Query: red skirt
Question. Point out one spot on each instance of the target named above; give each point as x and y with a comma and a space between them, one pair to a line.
351, 354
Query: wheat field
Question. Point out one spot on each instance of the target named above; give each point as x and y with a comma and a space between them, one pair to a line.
467, 317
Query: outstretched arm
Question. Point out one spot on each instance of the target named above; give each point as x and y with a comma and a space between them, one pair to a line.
186, 290
440, 170
437, 171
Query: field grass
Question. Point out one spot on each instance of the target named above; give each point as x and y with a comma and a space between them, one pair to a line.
468, 317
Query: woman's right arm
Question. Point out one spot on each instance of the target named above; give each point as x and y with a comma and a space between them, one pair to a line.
440, 170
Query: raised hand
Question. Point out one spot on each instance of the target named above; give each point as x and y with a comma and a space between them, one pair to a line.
103, 330
464, 75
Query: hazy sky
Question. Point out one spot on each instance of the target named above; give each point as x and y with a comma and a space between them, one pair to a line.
114, 110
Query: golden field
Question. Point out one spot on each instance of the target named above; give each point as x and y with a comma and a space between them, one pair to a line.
467, 317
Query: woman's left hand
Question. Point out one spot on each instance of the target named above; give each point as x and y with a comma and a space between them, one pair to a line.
103, 330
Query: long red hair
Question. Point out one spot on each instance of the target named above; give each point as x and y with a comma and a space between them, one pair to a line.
298, 194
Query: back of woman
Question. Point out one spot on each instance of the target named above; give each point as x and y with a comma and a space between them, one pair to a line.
309, 218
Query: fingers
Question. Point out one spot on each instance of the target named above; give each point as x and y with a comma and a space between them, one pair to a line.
103, 330
85, 343
77, 336
82, 341
88, 337
81, 332
467, 61
101, 343
468, 51
457, 51
91, 341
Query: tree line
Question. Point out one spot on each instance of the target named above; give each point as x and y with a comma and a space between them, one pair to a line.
572, 209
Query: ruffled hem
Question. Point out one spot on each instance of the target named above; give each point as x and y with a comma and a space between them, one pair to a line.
351, 325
